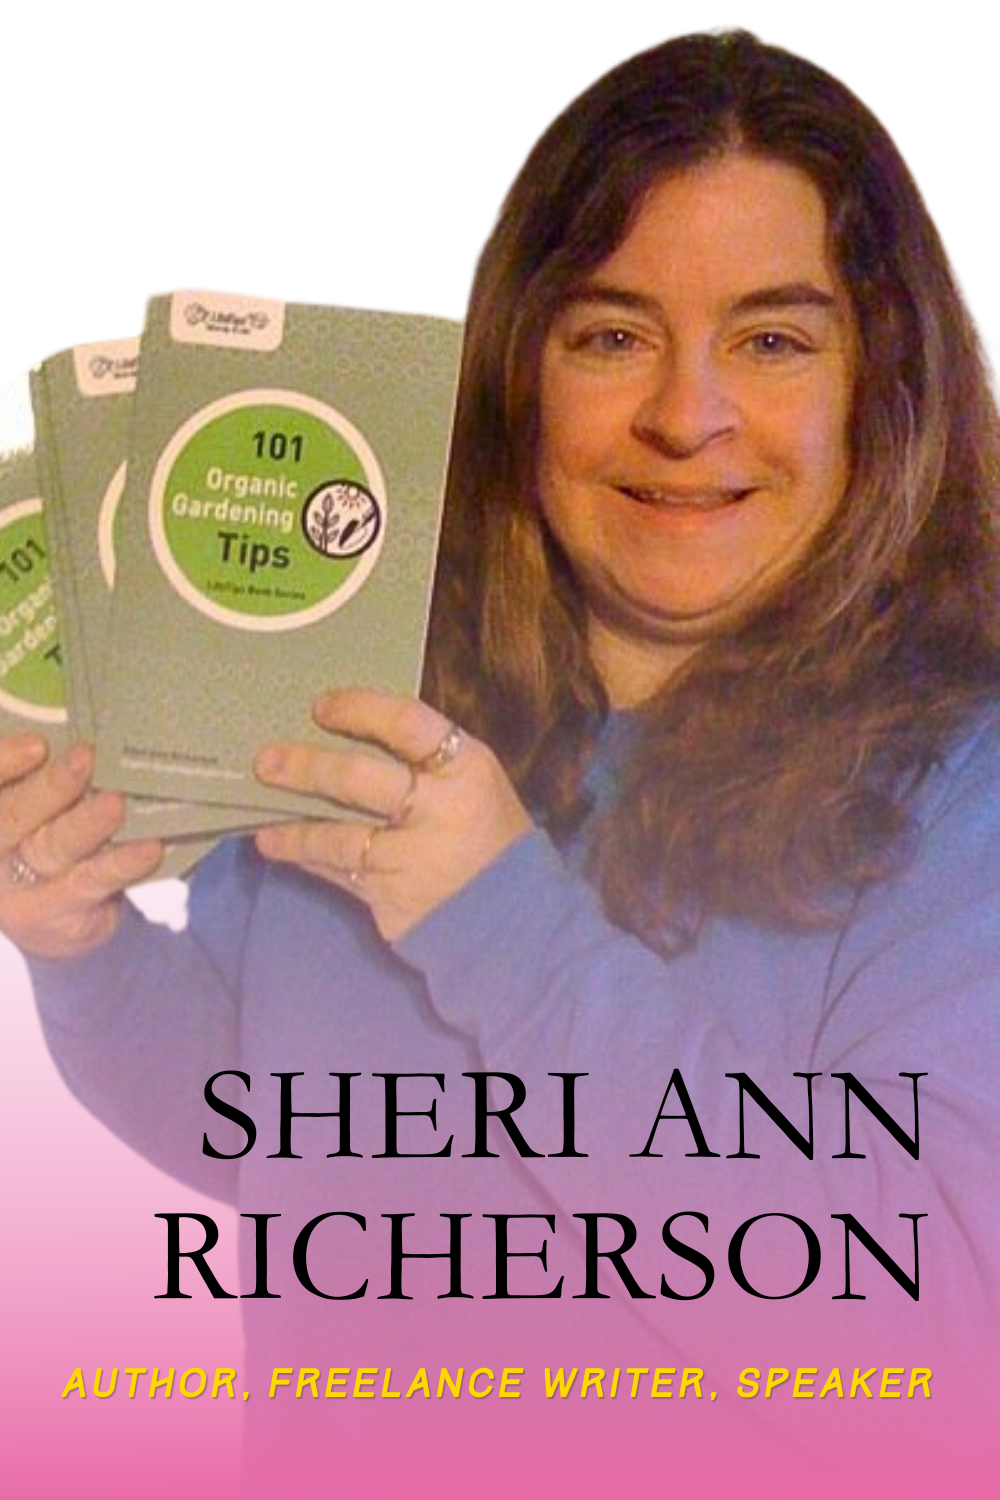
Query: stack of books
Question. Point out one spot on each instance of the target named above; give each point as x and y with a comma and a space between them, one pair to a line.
213, 524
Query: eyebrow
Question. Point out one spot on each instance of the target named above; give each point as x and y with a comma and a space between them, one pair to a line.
786, 295
791, 294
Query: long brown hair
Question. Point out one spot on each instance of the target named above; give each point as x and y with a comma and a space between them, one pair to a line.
772, 776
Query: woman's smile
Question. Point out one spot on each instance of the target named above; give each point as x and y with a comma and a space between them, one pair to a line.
672, 502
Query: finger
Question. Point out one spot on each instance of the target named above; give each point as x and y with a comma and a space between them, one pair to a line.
363, 781
68, 916
43, 794
19, 754
75, 835
408, 727
322, 846
106, 874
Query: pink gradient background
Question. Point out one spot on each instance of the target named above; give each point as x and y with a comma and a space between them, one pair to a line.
83, 1258
81, 1253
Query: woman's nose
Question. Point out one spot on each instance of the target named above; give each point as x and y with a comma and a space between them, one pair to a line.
686, 406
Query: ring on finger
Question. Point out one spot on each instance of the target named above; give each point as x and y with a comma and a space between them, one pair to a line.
443, 754
356, 877
398, 817
21, 871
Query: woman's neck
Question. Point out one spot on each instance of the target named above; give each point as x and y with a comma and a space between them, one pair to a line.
632, 669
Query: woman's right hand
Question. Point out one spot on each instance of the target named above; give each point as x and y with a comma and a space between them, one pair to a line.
61, 882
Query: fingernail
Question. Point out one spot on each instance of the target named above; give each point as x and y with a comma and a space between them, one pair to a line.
78, 759
269, 762
108, 804
140, 853
30, 751
266, 841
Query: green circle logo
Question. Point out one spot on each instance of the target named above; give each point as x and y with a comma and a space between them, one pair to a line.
31, 678
267, 510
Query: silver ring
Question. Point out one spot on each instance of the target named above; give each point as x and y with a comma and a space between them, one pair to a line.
20, 871
356, 877
444, 754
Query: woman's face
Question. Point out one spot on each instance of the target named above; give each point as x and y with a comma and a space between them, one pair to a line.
695, 399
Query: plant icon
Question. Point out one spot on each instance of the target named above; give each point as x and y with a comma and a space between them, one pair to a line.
341, 519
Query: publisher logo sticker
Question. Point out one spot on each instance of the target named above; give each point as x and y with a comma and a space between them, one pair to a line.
31, 679
225, 321
267, 510
108, 369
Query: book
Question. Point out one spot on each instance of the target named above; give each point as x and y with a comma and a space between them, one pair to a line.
82, 404
277, 534
32, 682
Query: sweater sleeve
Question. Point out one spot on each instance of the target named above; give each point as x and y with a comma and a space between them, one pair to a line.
524, 961
137, 1026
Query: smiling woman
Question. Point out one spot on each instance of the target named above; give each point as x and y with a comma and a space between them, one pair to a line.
695, 400
705, 788
843, 600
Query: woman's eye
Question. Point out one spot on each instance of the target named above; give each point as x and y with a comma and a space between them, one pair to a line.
610, 340
771, 343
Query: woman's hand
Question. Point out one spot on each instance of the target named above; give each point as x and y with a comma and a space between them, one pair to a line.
446, 806
60, 884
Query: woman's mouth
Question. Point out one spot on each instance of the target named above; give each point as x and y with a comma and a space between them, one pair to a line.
684, 501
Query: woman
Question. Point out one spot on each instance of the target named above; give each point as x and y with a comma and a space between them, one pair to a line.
718, 611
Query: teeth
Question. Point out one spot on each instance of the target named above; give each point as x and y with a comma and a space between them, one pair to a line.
711, 500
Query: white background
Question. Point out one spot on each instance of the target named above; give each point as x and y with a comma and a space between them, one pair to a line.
357, 152
332, 152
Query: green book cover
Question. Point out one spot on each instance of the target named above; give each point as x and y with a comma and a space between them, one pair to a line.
82, 400
278, 532
32, 684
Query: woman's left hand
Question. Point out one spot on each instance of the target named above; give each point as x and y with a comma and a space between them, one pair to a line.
445, 805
